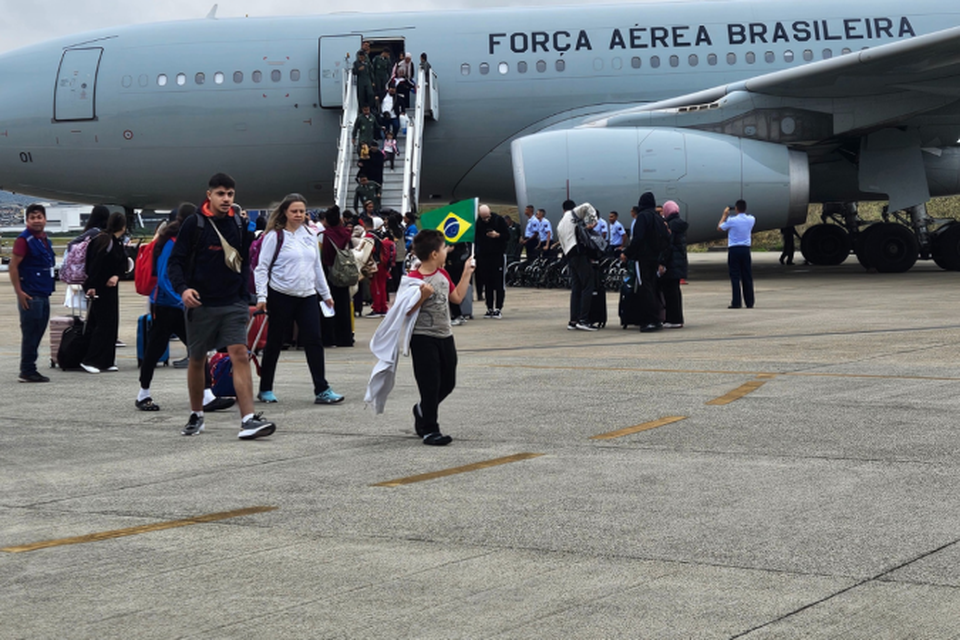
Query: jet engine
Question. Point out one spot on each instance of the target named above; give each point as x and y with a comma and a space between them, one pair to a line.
702, 171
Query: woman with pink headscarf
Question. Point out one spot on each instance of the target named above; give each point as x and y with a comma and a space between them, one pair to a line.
676, 265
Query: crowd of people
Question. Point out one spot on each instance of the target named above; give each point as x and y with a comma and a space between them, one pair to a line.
214, 271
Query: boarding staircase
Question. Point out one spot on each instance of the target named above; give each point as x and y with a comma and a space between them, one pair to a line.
400, 188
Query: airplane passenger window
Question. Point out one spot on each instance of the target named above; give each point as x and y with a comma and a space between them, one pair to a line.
731, 58
218, 77
181, 79
827, 54
769, 57
162, 80
561, 65
126, 81
750, 57
541, 66
256, 76
484, 68
655, 62
788, 56
522, 67
617, 64
464, 69
693, 60
143, 80
295, 75
237, 77
503, 67
275, 75
807, 55
712, 59
845, 51
635, 62
199, 78
674, 61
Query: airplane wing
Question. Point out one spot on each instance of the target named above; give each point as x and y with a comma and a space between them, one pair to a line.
919, 74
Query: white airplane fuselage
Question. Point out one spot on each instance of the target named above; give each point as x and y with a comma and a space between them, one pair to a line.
153, 144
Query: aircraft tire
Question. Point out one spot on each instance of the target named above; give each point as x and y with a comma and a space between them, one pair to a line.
892, 248
946, 248
825, 245
860, 245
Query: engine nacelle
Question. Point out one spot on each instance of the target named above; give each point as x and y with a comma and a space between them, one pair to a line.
703, 172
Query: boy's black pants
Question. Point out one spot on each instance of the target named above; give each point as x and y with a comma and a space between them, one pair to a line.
435, 368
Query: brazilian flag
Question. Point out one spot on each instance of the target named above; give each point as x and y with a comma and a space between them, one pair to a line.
456, 221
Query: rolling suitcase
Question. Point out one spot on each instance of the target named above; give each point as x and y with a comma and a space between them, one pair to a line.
58, 325
220, 366
631, 305
598, 302
144, 324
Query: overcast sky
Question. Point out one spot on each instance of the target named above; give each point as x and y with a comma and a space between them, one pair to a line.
27, 22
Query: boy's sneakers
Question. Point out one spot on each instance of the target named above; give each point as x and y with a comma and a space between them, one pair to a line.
585, 326
36, 376
255, 427
329, 396
496, 314
267, 396
437, 439
459, 320
194, 426
571, 326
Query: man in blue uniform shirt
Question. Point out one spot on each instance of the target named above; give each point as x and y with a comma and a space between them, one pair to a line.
738, 228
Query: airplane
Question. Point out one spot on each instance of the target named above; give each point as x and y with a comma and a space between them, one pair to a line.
704, 103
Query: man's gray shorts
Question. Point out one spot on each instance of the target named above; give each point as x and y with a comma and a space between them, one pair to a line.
210, 328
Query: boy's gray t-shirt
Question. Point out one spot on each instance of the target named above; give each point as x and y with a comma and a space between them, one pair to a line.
434, 318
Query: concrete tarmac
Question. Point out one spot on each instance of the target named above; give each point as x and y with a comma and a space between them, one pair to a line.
807, 484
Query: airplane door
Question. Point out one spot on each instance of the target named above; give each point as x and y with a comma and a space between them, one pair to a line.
333, 63
76, 91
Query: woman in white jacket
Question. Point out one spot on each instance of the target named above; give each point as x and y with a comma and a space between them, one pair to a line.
290, 285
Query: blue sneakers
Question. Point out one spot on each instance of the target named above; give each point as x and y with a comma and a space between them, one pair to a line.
267, 396
328, 397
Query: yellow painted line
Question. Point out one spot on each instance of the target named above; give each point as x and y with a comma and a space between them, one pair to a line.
455, 470
132, 531
646, 426
741, 391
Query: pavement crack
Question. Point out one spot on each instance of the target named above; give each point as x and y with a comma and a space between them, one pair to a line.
865, 581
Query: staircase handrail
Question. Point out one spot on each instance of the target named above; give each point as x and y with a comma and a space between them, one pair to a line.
413, 150
344, 145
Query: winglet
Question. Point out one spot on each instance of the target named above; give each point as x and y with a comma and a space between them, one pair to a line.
213, 13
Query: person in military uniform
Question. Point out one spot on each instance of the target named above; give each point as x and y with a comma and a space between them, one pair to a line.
364, 72
367, 190
382, 67
365, 129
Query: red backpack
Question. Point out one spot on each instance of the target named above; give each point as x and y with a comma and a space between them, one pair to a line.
144, 277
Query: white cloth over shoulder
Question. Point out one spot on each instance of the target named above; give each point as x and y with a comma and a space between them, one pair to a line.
566, 228
392, 337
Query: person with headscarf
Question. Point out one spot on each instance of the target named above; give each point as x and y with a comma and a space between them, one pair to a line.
676, 267
649, 248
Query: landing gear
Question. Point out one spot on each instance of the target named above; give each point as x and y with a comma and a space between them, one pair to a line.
825, 245
946, 247
888, 247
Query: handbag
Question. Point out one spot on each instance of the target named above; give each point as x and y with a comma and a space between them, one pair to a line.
231, 257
